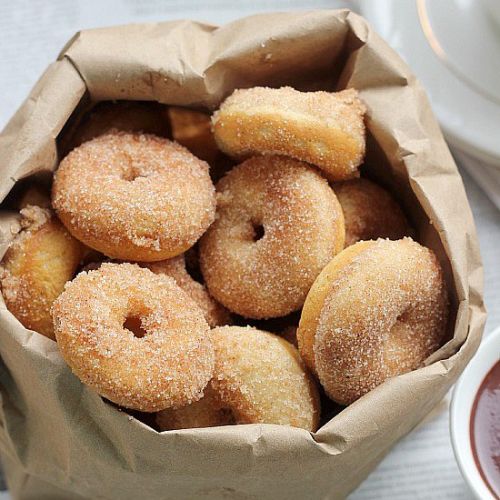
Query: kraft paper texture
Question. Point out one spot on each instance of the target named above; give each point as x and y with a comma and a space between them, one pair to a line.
58, 438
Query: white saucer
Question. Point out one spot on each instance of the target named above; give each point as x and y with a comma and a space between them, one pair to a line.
453, 47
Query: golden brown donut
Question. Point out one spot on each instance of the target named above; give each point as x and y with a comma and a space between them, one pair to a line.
214, 313
35, 268
370, 212
322, 128
209, 411
278, 224
135, 337
192, 129
127, 116
134, 197
258, 378
383, 310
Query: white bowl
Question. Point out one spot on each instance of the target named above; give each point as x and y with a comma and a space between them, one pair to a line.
460, 411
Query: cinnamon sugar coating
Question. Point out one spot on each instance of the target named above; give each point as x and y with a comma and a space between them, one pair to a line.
385, 311
37, 265
370, 212
278, 224
134, 196
258, 378
168, 366
322, 128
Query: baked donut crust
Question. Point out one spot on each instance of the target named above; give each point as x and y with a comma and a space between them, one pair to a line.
168, 366
258, 378
209, 411
134, 196
36, 266
322, 128
385, 311
370, 212
193, 130
302, 226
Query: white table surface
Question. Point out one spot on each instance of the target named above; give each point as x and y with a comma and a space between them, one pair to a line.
32, 33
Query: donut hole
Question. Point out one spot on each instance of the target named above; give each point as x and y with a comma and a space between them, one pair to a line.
258, 231
400, 346
134, 324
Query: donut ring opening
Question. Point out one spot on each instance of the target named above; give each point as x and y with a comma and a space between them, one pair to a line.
278, 224
98, 323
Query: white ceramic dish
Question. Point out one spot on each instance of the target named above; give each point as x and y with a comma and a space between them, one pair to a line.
461, 406
454, 49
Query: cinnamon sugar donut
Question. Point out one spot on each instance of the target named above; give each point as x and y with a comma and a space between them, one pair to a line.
378, 310
322, 128
370, 212
134, 197
135, 337
214, 313
258, 378
127, 116
209, 411
278, 224
35, 268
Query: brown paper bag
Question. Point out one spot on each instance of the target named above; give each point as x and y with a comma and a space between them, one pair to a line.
58, 438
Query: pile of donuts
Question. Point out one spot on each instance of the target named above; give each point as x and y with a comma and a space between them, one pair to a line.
293, 281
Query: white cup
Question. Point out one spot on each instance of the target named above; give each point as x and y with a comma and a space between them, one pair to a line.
462, 401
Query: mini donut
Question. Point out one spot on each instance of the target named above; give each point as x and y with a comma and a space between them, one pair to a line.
214, 313
379, 309
209, 411
322, 128
258, 378
370, 212
278, 224
134, 196
193, 130
127, 116
135, 337
38, 263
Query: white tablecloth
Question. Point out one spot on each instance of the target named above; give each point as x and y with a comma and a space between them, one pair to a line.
31, 34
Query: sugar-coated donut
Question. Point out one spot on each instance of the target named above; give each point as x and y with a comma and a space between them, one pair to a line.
134, 196
35, 268
209, 411
127, 116
215, 314
380, 310
278, 224
370, 212
164, 359
258, 378
322, 128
